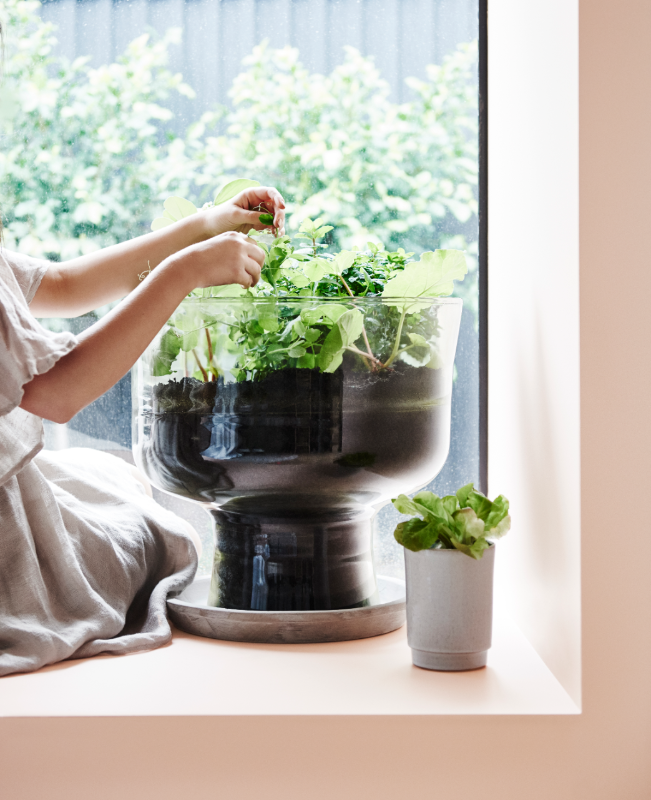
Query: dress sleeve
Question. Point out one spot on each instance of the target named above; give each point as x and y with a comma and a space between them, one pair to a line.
28, 272
26, 348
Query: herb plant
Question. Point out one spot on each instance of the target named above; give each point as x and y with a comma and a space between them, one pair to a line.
467, 521
305, 312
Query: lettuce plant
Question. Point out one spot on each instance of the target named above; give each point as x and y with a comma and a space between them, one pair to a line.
467, 521
289, 325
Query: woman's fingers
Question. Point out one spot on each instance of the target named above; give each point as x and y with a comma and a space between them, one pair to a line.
255, 252
253, 269
251, 219
263, 196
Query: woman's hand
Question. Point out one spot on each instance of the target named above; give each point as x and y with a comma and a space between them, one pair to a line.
228, 258
238, 214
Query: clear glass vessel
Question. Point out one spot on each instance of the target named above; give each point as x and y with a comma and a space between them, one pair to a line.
291, 418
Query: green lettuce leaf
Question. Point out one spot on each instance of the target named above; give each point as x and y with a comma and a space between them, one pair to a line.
416, 535
466, 521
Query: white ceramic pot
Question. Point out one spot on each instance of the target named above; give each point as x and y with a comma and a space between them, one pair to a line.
449, 608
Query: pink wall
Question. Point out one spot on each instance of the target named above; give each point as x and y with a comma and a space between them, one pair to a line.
602, 754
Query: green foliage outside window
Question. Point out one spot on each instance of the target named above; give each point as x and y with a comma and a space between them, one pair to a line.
88, 153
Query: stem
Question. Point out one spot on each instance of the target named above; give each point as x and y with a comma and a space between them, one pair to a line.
199, 364
214, 368
366, 341
209, 345
396, 346
361, 353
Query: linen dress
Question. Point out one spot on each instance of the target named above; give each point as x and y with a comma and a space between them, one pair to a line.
87, 558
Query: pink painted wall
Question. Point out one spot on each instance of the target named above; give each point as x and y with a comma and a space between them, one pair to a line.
604, 754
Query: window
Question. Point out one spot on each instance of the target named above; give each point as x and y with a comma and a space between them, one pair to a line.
363, 112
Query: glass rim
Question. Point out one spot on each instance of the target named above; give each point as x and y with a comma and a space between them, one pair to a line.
307, 298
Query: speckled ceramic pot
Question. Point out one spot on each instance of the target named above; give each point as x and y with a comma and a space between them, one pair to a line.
449, 608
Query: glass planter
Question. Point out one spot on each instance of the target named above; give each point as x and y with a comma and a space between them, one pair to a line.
291, 418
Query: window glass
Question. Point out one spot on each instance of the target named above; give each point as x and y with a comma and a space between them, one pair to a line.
360, 111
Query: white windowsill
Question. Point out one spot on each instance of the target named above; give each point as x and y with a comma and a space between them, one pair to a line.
195, 676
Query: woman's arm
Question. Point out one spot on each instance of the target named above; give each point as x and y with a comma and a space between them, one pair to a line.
82, 284
107, 350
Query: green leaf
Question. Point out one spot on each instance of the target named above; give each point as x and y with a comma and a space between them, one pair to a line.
189, 341
499, 530
177, 208
464, 493
168, 350
415, 535
231, 189
329, 311
351, 325
418, 340
311, 335
161, 222
468, 525
432, 506
498, 512
347, 329
480, 504
230, 290
316, 269
296, 352
269, 321
404, 505
296, 277
342, 261
306, 361
266, 219
432, 276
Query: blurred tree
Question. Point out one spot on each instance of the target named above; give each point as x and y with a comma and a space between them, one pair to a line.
87, 154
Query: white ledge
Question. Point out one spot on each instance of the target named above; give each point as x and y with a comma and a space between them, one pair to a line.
198, 677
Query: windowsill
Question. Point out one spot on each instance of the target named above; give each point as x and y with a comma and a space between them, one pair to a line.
196, 676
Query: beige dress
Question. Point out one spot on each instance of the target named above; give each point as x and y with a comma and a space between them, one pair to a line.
87, 559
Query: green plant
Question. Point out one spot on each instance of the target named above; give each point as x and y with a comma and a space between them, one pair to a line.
275, 334
467, 521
